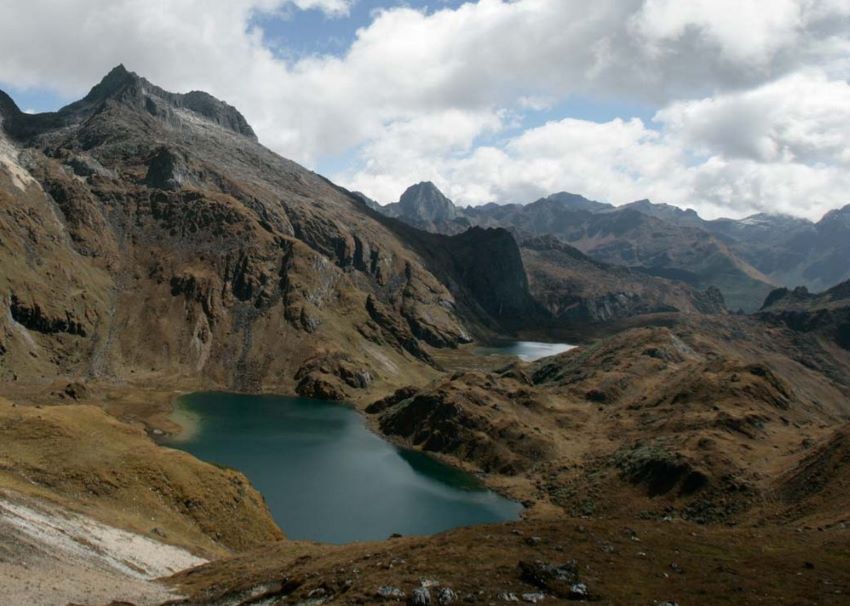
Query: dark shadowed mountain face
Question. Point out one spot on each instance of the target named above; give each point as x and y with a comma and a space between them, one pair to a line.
147, 234
826, 314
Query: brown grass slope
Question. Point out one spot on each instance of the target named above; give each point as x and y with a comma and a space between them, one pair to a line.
85, 460
637, 563
698, 416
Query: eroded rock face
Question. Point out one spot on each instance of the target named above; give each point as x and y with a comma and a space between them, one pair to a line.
473, 416
171, 242
34, 318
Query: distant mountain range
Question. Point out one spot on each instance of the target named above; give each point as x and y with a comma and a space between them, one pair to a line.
745, 259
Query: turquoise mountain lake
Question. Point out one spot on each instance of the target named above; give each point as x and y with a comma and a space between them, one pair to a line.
525, 350
326, 476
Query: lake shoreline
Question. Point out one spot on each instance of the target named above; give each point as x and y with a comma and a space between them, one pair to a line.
515, 489
284, 444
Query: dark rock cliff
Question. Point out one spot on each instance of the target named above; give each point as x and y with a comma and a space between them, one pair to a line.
826, 314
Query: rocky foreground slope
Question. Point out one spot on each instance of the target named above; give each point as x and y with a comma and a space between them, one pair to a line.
91, 510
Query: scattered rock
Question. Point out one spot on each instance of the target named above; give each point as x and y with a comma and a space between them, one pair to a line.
446, 595
388, 592
558, 580
533, 598
578, 591
420, 596
75, 390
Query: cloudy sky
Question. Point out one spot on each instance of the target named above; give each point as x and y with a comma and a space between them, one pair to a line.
726, 106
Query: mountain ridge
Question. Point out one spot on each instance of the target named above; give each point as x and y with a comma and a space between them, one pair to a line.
162, 225
120, 84
745, 258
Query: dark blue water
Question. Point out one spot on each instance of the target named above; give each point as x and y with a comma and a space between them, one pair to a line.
525, 350
325, 476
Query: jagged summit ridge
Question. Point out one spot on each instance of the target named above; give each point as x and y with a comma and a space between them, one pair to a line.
125, 87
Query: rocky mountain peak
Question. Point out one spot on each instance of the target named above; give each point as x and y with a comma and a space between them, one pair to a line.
425, 202
112, 83
131, 91
574, 202
667, 212
8, 108
837, 217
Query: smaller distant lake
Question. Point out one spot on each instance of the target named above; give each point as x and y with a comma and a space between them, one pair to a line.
527, 351
326, 476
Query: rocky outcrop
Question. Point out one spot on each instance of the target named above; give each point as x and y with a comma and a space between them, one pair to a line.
34, 318
392, 329
826, 314
216, 111
167, 170
471, 416
488, 262
331, 376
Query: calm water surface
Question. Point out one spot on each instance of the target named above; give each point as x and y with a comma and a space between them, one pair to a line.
325, 476
525, 350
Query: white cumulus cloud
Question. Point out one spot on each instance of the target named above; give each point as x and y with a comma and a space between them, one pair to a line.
751, 93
